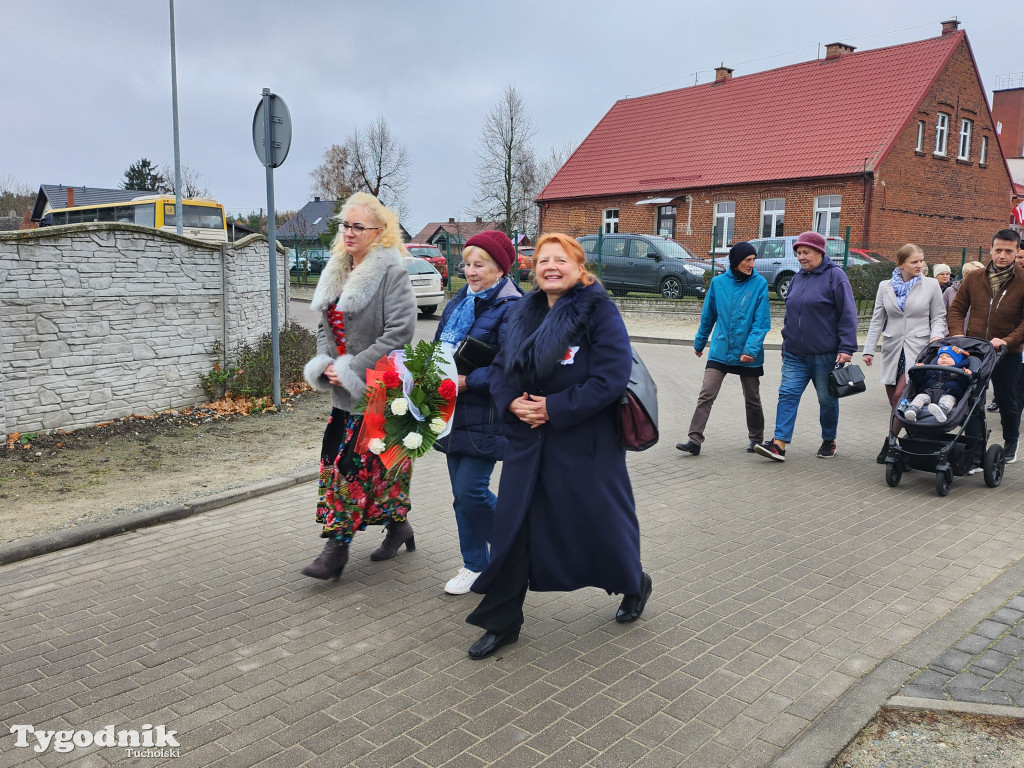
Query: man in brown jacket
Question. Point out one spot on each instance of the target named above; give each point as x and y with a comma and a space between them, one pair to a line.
995, 297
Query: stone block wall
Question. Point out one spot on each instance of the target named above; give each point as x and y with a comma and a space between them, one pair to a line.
100, 321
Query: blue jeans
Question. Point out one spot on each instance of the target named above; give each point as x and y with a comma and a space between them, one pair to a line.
797, 371
474, 507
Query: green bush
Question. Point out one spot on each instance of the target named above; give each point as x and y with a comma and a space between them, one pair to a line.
250, 374
865, 278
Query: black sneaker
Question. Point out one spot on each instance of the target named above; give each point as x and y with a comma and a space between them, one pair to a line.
1010, 451
689, 447
827, 450
993, 406
771, 450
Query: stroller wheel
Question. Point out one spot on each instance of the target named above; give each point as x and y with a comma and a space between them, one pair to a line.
993, 465
893, 473
943, 482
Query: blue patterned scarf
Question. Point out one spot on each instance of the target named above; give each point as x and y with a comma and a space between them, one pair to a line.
463, 316
902, 288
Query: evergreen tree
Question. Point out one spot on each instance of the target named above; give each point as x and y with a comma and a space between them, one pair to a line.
142, 176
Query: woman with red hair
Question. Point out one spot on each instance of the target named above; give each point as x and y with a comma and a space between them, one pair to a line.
563, 364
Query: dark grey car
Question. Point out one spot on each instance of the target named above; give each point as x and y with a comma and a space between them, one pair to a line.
646, 264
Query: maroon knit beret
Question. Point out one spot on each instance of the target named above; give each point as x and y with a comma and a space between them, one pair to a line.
498, 247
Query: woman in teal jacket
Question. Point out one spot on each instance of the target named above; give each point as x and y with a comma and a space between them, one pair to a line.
736, 308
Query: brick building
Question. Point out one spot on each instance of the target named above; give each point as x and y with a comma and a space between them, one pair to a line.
897, 143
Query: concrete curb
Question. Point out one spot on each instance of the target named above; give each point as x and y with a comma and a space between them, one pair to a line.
840, 723
33, 546
959, 707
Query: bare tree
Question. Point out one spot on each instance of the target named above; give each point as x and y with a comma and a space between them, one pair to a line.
507, 169
332, 178
192, 184
550, 164
15, 196
380, 165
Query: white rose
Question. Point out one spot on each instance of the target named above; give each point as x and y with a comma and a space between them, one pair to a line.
399, 407
438, 425
377, 446
413, 441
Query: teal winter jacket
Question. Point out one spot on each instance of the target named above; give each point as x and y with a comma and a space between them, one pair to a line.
738, 312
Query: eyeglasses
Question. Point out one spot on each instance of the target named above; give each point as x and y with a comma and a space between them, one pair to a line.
356, 228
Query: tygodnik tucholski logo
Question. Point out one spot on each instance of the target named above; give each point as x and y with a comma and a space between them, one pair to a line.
150, 741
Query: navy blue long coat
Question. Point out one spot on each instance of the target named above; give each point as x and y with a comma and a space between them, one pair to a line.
567, 478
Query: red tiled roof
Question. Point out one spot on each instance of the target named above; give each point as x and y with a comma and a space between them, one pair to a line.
466, 228
828, 117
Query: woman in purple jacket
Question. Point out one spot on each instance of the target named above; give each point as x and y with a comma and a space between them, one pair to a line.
820, 330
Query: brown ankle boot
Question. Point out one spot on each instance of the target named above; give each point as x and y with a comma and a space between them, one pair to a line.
330, 563
398, 534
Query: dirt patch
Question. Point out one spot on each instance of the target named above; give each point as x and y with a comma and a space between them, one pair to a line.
53, 481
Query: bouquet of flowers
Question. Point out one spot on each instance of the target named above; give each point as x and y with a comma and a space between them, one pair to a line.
408, 403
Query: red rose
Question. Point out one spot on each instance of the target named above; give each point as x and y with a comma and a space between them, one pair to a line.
392, 379
447, 390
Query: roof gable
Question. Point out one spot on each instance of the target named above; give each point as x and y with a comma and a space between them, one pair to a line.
310, 222
56, 196
828, 117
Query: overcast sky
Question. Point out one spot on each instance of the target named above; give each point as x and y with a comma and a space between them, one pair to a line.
86, 85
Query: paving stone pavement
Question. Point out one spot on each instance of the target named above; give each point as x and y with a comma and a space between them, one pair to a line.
790, 601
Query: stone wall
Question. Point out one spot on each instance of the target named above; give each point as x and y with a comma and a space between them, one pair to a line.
100, 321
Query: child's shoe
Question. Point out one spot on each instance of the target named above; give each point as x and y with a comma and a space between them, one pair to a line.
940, 413
910, 412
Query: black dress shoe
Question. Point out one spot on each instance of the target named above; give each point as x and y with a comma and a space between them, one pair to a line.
491, 642
633, 605
689, 447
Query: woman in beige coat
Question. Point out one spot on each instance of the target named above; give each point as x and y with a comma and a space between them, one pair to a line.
909, 312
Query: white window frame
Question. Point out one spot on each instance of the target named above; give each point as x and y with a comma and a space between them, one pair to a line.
725, 224
775, 218
610, 222
827, 209
966, 129
941, 134
983, 155
920, 136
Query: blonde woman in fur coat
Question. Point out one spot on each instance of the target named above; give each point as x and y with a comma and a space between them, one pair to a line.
367, 310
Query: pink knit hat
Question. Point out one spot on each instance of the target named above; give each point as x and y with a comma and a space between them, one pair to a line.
811, 240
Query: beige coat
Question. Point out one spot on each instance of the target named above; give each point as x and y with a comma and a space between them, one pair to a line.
906, 330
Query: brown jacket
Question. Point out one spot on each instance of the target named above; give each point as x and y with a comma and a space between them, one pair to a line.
992, 317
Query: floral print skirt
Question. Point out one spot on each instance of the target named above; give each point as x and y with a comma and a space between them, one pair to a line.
356, 489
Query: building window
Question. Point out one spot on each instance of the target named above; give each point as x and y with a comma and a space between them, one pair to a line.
920, 136
941, 133
966, 126
611, 221
983, 156
667, 220
826, 214
773, 211
725, 220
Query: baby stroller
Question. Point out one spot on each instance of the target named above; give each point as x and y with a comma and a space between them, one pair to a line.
946, 448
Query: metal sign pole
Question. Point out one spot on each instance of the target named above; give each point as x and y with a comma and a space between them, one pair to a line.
178, 215
275, 342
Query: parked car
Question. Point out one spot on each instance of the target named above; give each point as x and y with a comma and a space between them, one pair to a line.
433, 255
312, 261
646, 264
777, 263
865, 257
525, 264
426, 284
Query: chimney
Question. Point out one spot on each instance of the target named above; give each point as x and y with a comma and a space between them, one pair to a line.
479, 220
835, 50
722, 73
451, 219
316, 199
949, 27
71, 197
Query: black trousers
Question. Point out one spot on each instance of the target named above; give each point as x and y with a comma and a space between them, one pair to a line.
1005, 380
501, 609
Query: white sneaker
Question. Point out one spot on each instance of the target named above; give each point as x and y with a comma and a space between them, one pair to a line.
938, 412
462, 582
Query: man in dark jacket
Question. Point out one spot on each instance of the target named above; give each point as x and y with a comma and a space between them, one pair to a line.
995, 298
819, 331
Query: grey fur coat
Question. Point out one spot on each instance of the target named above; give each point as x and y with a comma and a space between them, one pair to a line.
379, 308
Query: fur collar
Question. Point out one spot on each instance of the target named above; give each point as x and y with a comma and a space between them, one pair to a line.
540, 336
353, 288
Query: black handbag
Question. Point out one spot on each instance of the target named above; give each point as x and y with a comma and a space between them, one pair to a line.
638, 408
846, 380
471, 353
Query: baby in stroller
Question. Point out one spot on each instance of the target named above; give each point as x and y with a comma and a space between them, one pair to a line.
940, 390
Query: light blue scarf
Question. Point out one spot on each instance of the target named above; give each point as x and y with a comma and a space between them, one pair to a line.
463, 316
901, 288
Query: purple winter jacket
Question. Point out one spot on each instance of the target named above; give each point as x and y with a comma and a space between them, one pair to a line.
821, 315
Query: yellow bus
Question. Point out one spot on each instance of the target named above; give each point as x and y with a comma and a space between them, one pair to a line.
202, 219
